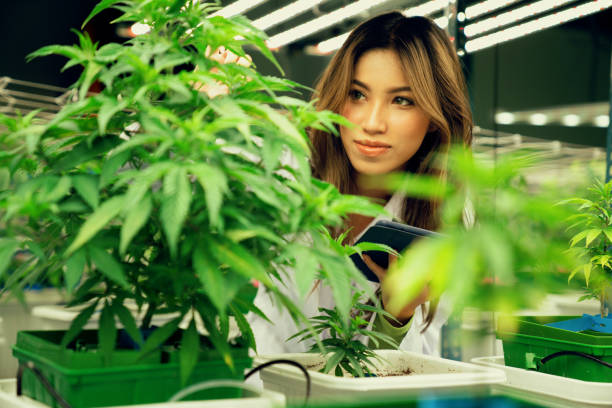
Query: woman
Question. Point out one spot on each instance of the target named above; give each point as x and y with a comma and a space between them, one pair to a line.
399, 81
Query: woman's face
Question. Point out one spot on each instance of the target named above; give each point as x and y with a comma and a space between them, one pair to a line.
390, 127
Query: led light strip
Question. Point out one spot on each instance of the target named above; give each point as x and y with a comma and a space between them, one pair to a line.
318, 24
237, 7
513, 16
486, 7
285, 13
537, 25
431, 7
426, 9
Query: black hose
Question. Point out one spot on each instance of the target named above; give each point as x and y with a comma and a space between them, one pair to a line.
574, 353
290, 362
43, 380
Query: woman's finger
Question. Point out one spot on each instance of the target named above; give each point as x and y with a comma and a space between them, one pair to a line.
378, 270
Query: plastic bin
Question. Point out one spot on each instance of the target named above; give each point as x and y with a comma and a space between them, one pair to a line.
84, 379
549, 390
432, 375
526, 341
265, 399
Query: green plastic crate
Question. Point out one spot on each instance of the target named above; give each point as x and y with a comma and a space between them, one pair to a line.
84, 380
526, 341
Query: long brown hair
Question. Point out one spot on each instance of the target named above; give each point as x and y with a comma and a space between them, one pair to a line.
432, 68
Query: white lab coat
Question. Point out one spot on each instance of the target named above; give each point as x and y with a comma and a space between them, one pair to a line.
271, 338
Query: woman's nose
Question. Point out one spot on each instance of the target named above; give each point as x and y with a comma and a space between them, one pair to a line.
374, 120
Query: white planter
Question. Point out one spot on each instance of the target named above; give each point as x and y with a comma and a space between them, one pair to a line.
432, 374
549, 390
266, 399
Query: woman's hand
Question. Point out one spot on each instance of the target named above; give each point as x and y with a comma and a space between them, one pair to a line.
406, 313
222, 56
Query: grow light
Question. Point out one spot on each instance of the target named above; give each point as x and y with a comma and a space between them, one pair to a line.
513, 16
285, 13
542, 23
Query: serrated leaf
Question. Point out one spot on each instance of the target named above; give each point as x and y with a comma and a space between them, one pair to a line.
60, 189
214, 335
175, 206
96, 221
101, 6
109, 52
108, 266
239, 260
306, 269
591, 236
214, 183
333, 360
128, 322
107, 333
245, 327
108, 109
159, 336
111, 166
7, 250
211, 276
578, 237
587, 272
189, 351
87, 187
74, 269
78, 323
608, 233
133, 221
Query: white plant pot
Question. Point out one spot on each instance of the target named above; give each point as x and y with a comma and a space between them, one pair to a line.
434, 375
266, 399
547, 389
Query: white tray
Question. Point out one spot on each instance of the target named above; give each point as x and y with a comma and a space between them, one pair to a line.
267, 399
549, 390
434, 374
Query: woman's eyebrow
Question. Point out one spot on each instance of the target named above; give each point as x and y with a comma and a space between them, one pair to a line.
392, 90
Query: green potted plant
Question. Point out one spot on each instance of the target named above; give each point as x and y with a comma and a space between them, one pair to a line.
153, 193
592, 240
577, 347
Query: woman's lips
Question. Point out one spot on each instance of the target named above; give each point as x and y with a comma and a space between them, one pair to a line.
371, 149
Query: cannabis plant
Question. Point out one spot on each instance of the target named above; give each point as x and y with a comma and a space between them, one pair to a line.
508, 257
592, 241
345, 343
153, 192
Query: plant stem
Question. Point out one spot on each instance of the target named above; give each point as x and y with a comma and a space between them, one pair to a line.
146, 320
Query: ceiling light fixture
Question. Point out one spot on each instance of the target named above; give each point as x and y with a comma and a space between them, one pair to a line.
504, 118
486, 7
538, 119
602, 121
541, 23
513, 16
285, 13
570, 120
431, 7
237, 7
320, 23
426, 9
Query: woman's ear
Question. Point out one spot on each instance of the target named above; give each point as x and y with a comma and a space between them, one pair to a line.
432, 127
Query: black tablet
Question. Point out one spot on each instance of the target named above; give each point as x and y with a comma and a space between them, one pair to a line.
394, 234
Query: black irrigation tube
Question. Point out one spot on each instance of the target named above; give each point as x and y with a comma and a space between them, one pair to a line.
43, 380
574, 353
289, 362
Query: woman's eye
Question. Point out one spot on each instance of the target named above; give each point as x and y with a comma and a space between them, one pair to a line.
356, 95
400, 100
